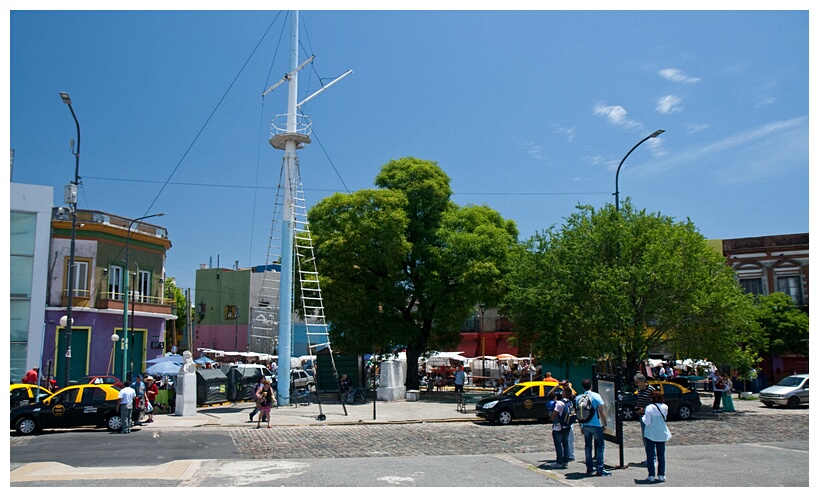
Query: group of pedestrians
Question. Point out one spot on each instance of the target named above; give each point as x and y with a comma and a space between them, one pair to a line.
588, 410
136, 397
722, 388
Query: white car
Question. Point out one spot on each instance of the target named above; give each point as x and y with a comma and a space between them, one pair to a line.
791, 391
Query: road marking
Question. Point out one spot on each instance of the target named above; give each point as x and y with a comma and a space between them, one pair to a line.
53, 471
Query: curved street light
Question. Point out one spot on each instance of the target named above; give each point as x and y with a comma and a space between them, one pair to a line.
125, 294
71, 197
617, 176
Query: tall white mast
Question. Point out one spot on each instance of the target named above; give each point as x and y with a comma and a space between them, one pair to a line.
291, 138
290, 134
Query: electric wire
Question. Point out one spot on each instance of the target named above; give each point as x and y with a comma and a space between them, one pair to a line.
179, 163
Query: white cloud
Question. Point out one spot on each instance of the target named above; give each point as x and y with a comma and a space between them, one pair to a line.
669, 104
696, 127
753, 135
532, 149
615, 114
562, 130
678, 76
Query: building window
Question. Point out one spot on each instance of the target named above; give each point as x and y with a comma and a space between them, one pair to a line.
752, 285
80, 278
791, 285
115, 282
143, 286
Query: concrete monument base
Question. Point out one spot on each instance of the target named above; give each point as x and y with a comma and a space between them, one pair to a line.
185, 386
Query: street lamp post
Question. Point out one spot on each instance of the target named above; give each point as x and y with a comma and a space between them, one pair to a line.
619, 367
617, 176
71, 199
125, 294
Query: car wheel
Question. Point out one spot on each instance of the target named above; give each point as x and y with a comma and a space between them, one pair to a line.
26, 426
114, 422
684, 412
504, 417
628, 413
793, 402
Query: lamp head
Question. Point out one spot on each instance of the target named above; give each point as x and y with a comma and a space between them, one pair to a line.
65, 97
656, 133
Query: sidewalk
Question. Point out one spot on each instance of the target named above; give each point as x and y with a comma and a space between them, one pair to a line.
433, 407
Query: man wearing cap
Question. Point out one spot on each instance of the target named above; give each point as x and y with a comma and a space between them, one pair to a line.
31, 377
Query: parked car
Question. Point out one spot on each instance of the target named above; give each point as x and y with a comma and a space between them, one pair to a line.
24, 393
525, 400
100, 380
681, 401
301, 379
77, 405
791, 391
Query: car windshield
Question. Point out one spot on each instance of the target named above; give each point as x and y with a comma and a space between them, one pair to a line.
513, 390
790, 381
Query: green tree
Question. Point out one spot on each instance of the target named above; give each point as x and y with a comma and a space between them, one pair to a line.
785, 327
402, 265
612, 285
180, 303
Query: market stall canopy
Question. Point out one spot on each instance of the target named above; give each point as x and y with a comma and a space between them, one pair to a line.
164, 368
506, 357
175, 359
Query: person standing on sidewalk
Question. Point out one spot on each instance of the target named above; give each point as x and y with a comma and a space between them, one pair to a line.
150, 397
592, 430
460, 376
643, 399
125, 405
139, 401
656, 435
561, 428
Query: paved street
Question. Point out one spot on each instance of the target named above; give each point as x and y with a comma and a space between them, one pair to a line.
353, 452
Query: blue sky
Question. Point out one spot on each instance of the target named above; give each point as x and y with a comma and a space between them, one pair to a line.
529, 112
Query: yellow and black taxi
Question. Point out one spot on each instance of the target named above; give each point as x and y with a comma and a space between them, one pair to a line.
26, 393
526, 400
77, 405
681, 401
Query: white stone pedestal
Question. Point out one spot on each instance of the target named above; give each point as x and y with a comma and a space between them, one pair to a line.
185, 386
413, 395
391, 382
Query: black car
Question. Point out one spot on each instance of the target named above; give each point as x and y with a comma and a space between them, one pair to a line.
78, 405
522, 401
681, 402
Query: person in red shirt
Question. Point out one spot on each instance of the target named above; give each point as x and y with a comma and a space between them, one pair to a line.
31, 376
150, 393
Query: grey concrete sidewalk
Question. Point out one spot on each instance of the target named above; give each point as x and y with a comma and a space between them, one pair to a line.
441, 408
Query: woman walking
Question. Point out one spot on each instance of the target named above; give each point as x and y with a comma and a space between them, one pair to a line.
656, 435
266, 400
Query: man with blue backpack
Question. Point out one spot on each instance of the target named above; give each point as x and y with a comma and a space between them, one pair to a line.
592, 418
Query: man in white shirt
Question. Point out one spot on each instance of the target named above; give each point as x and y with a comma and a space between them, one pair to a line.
125, 405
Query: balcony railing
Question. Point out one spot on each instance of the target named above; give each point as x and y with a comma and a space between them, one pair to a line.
114, 300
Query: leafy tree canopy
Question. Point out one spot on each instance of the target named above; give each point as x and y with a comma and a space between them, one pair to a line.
609, 284
402, 265
785, 327
180, 303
